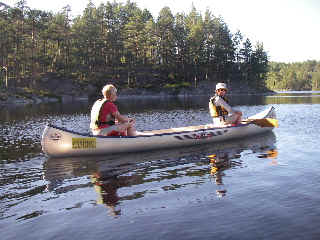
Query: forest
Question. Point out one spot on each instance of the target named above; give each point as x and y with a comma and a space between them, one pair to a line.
126, 45
294, 76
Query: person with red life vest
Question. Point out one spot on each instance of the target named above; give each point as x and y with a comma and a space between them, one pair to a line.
106, 119
220, 110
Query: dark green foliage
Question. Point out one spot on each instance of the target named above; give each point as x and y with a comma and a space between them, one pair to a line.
294, 76
125, 45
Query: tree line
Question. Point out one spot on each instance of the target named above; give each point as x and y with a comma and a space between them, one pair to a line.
126, 45
294, 76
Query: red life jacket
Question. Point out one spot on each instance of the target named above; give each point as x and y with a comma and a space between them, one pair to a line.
97, 118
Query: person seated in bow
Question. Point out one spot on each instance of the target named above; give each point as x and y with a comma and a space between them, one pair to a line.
106, 120
220, 110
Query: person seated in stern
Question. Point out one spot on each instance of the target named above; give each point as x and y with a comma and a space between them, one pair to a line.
106, 120
220, 110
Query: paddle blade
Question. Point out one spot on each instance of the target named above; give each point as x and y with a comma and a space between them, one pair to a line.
265, 122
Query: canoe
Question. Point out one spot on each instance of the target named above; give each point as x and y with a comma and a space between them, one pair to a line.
113, 165
60, 142
117, 164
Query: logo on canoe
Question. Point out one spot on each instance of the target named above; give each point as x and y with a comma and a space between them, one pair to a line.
202, 135
55, 136
84, 143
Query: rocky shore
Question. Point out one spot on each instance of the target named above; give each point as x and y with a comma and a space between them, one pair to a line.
62, 90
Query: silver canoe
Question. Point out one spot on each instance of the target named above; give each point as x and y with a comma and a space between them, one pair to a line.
60, 142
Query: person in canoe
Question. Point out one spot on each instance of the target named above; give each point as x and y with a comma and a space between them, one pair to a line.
220, 110
106, 119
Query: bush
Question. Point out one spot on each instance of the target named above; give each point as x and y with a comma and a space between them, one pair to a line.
178, 85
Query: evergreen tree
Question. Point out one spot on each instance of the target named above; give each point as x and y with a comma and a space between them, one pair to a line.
116, 41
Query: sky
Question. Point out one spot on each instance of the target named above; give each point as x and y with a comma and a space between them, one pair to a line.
288, 29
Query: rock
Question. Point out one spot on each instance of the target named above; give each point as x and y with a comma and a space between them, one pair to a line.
3, 96
90, 90
66, 98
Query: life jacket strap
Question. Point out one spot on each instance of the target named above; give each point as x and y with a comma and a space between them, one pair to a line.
99, 123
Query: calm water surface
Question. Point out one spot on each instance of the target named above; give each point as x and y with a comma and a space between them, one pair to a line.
264, 187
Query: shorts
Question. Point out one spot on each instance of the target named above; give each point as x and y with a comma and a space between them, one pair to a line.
230, 119
220, 121
109, 131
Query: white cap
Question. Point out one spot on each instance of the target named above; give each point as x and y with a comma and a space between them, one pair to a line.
221, 86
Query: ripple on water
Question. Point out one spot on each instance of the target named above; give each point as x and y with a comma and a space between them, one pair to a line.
263, 185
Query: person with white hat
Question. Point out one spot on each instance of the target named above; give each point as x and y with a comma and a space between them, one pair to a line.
220, 110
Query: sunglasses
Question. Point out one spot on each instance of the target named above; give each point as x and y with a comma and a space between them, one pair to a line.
222, 90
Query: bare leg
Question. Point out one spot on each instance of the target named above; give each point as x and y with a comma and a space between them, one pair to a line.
238, 118
132, 131
128, 128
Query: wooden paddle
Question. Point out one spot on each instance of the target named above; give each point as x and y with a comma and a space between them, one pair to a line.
264, 122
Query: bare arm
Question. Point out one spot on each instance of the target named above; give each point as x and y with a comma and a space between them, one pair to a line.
211, 109
231, 111
122, 118
220, 102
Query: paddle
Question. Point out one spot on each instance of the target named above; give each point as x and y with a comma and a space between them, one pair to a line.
264, 122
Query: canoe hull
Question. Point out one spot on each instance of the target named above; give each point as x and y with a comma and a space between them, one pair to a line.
59, 142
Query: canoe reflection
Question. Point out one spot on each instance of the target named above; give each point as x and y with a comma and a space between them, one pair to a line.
138, 171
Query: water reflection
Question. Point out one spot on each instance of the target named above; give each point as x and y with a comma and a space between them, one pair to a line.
219, 163
17, 113
271, 154
124, 177
107, 187
137, 105
225, 159
294, 97
191, 102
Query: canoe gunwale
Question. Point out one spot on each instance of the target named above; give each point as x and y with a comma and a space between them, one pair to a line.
153, 135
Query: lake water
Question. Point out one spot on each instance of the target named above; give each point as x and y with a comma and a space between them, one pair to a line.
264, 187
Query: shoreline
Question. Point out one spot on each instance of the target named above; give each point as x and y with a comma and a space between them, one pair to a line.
73, 93
16, 101
51, 89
